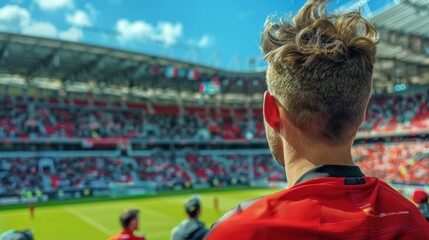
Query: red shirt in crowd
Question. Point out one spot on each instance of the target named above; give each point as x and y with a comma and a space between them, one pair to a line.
328, 202
126, 234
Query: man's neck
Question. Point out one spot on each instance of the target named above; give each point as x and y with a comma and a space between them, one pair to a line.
313, 156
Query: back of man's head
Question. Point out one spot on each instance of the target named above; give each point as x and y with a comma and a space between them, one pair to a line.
192, 207
320, 70
127, 216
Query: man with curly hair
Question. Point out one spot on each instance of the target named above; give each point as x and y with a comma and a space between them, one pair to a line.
319, 83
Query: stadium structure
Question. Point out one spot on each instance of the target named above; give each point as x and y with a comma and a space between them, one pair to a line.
79, 120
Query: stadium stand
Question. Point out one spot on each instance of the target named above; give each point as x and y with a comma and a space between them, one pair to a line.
21, 175
386, 114
397, 161
397, 113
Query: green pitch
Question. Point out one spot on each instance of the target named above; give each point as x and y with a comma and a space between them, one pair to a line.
99, 220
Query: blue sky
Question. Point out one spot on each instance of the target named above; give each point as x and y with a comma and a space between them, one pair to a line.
220, 33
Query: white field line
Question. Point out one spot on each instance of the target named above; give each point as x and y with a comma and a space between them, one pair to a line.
89, 221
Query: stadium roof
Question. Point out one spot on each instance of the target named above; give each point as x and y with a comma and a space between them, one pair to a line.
403, 52
402, 57
71, 66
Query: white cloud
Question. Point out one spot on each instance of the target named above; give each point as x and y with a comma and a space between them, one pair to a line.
164, 32
135, 30
13, 18
169, 32
205, 41
17, 19
54, 4
42, 29
79, 18
71, 34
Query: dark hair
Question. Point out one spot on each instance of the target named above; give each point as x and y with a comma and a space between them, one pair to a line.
194, 213
126, 222
127, 216
192, 207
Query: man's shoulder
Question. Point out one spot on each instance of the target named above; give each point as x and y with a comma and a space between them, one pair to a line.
238, 223
269, 202
245, 220
297, 211
388, 192
238, 209
265, 204
189, 229
115, 237
175, 232
286, 207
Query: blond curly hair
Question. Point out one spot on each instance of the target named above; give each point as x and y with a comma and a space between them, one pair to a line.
320, 69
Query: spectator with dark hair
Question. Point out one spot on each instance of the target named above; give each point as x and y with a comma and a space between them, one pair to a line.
130, 223
191, 228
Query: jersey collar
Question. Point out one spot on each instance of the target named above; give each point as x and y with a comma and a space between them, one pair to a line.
353, 174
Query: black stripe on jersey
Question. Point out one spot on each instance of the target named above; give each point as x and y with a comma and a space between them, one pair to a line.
353, 174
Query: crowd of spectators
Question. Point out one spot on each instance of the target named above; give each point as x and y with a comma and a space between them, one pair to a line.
18, 174
93, 172
396, 162
32, 119
397, 113
32, 174
385, 114
163, 168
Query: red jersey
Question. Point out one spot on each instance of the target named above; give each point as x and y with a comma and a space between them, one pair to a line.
126, 234
328, 202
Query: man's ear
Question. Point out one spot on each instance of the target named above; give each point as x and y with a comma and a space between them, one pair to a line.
271, 112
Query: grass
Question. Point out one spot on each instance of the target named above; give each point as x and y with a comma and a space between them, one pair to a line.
99, 220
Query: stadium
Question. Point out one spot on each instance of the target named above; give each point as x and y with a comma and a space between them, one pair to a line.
87, 131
